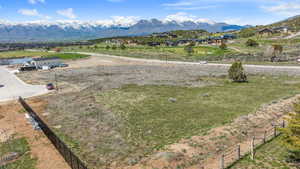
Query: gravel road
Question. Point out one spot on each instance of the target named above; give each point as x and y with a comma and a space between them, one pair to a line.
12, 87
293, 70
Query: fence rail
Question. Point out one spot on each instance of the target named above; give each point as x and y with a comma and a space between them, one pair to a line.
232, 156
73, 161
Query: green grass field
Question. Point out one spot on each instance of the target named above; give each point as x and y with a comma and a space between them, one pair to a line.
269, 156
18, 54
68, 56
14, 54
152, 121
20, 146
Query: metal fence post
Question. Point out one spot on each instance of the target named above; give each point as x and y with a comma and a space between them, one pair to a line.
71, 159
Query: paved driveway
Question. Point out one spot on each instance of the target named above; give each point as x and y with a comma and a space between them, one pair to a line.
12, 87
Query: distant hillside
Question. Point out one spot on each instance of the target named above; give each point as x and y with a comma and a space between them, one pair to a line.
160, 36
293, 23
68, 31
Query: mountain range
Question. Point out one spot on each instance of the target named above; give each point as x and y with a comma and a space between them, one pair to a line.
77, 30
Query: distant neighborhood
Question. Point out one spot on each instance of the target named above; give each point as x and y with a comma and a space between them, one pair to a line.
4, 47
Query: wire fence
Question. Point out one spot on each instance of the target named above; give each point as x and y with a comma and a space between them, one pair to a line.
73, 161
231, 156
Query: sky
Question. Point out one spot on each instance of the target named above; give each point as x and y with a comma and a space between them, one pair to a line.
242, 12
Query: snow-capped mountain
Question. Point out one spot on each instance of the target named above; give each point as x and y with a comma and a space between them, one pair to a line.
78, 30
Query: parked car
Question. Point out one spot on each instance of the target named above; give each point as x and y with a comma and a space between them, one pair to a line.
27, 68
63, 65
50, 86
203, 62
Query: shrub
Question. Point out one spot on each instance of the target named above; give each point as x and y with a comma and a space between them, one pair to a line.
123, 47
291, 135
236, 72
189, 49
107, 47
114, 47
245, 33
57, 50
223, 46
251, 43
277, 50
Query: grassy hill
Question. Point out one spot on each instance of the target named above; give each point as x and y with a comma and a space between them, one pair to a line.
178, 34
293, 23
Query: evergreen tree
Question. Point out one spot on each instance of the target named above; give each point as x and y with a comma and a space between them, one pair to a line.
236, 72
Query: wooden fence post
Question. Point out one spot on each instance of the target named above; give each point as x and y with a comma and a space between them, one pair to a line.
265, 137
283, 124
238, 152
222, 165
275, 131
252, 148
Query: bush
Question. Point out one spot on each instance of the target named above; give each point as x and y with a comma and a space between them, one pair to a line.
223, 46
57, 50
291, 135
123, 47
245, 33
107, 47
236, 72
114, 47
251, 43
189, 49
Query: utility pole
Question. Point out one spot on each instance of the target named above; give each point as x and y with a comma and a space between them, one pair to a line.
56, 81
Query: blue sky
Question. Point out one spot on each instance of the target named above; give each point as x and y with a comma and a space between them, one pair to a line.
230, 11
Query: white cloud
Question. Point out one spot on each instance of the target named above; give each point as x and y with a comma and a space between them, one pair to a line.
29, 12
69, 13
119, 20
187, 5
184, 17
36, 1
284, 8
33, 12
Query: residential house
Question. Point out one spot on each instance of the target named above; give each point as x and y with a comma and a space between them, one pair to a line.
50, 62
282, 29
265, 32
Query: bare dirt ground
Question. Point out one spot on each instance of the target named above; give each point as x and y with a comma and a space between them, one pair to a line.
14, 122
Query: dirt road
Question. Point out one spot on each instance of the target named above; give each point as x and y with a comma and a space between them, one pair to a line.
226, 66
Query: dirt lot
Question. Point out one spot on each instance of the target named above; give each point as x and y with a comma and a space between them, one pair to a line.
13, 122
95, 131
